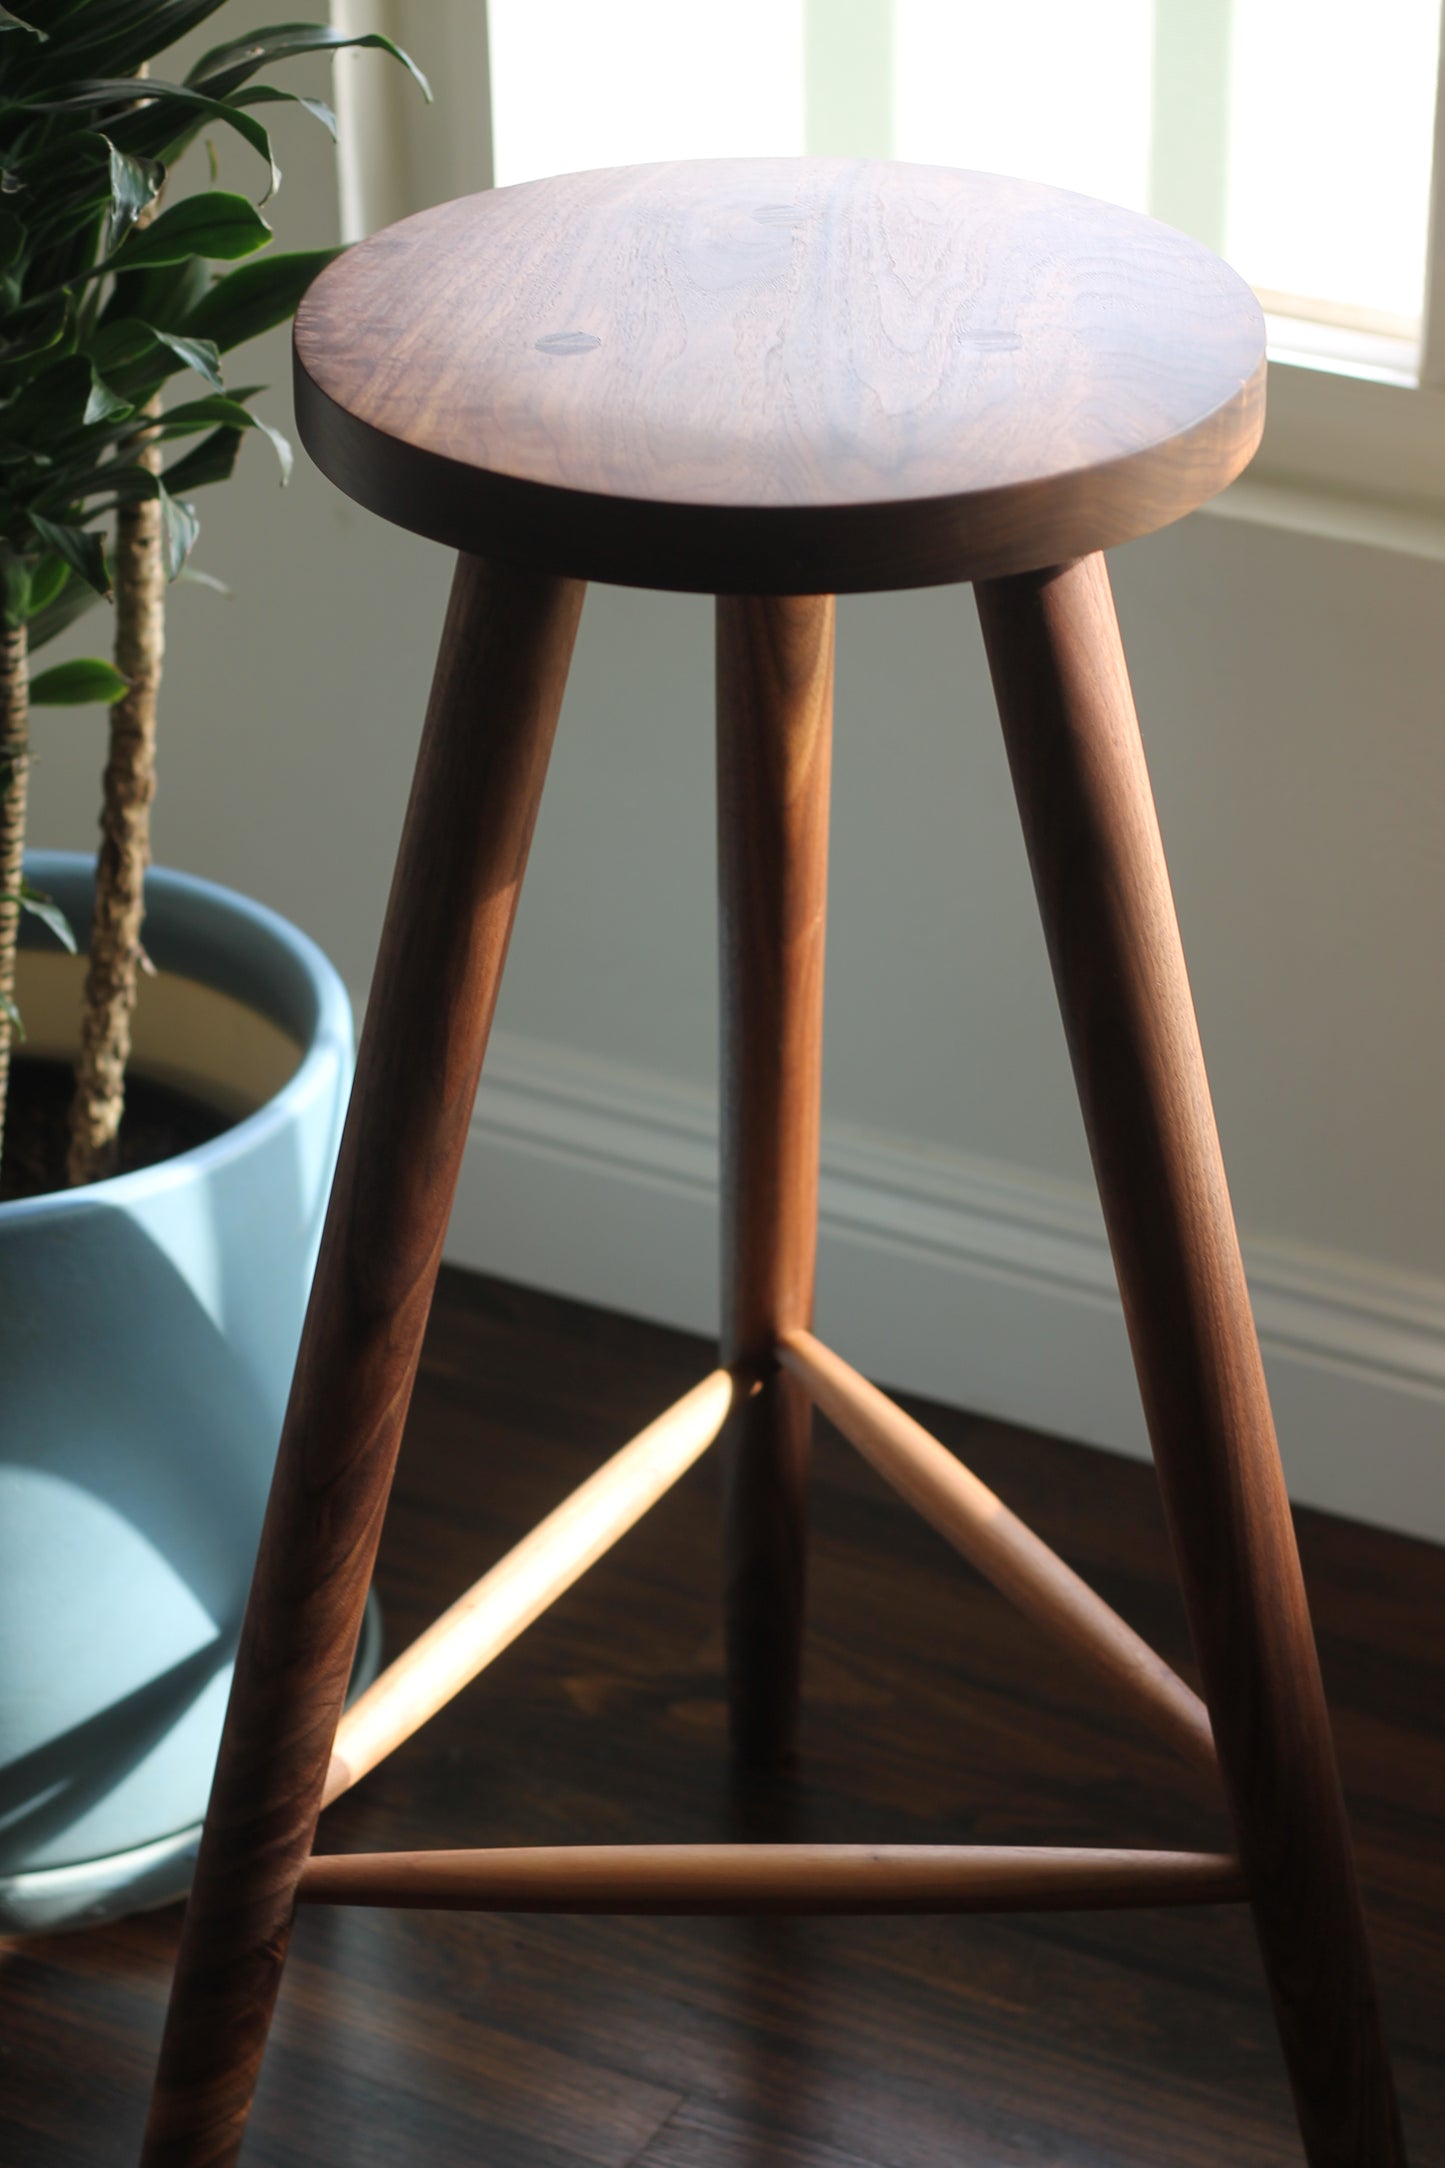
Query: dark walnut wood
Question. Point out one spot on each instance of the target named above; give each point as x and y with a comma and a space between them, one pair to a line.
498, 686
1001, 1547
1098, 866
692, 1881
1121, 2040
774, 752
792, 376
776, 380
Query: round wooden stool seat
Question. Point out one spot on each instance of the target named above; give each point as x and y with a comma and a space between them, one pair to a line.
780, 376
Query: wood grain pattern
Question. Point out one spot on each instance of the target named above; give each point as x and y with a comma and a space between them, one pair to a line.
791, 376
774, 738
1103, 889
690, 1880
1136, 2039
495, 698
519, 1588
977, 1522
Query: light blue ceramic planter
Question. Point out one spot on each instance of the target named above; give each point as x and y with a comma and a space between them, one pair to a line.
148, 1328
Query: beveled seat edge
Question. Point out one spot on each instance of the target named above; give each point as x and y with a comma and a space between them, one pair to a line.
780, 550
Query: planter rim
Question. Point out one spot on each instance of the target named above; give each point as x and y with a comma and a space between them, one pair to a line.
325, 1037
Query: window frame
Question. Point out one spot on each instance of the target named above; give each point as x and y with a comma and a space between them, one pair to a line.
1336, 434
1348, 434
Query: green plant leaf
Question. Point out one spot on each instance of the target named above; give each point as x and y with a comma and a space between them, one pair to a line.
104, 403
123, 484
191, 576
127, 342
151, 116
47, 578
60, 613
226, 67
259, 296
179, 522
13, 22
103, 40
7, 1007
50, 405
135, 183
78, 684
17, 585
120, 344
198, 414
272, 94
212, 460
13, 236
202, 355
48, 911
179, 529
70, 153
280, 445
36, 332
214, 224
164, 296
82, 550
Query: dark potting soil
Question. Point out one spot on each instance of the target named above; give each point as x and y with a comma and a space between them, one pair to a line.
159, 1121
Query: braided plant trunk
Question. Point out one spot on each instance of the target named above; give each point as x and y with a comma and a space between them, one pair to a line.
130, 781
14, 786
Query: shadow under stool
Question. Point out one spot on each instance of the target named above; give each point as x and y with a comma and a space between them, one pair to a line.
772, 382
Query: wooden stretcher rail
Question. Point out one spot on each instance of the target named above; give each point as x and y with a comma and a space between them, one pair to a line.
520, 1587
1007, 1552
772, 1878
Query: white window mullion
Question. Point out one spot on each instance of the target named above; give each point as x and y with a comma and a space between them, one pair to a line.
848, 49
397, 153
1432, 327
371, 132
1189, 134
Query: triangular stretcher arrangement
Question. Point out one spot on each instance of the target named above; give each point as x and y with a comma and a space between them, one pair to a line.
766, 1878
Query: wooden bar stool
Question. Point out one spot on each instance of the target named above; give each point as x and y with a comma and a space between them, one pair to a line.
774, 381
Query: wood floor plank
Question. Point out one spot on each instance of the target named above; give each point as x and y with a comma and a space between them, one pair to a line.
932, 1713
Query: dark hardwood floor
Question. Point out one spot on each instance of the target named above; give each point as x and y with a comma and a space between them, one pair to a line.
1133, 2040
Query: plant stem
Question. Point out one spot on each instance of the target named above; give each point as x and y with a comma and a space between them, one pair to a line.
130, 781
14, 786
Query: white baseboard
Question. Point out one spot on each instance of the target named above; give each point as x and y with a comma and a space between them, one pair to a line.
986, 1287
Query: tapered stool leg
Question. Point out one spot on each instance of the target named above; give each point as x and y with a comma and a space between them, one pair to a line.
774, 712
498, 687
1098, 866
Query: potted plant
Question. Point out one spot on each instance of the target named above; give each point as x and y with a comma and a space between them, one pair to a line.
153, 1269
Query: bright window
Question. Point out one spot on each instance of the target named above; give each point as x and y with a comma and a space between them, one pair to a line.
1051, 90
580, 83
1292, 135
1331, 115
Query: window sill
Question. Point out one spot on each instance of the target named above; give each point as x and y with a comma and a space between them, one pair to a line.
1354, 435
1302, 506
1347, 458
